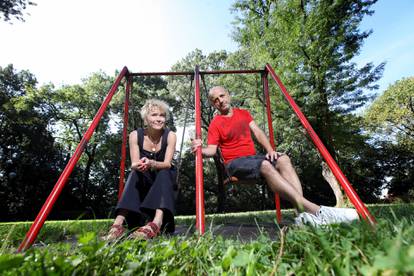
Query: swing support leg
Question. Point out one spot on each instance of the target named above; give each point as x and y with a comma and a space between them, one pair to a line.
198, 158
124, 137
60, 184
271, 137
346, 185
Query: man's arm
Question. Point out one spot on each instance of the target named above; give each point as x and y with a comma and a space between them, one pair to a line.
208, 151
263, 140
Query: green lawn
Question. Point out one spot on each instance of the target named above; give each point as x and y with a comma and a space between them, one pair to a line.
73, 248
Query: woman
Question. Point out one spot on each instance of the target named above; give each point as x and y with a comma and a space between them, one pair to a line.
149, 190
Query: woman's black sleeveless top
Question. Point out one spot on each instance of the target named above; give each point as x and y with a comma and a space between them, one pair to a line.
159, 155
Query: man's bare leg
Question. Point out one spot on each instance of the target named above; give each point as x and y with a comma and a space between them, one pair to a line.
286, 169
279, 184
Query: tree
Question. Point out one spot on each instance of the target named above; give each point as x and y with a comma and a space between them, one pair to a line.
29, 160
398, 164
179, 87
71, 108
245, 90
390, 119
392, 113
13, 8
144, 88
312, 45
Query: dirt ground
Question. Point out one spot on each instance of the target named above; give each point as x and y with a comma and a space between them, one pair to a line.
243, 232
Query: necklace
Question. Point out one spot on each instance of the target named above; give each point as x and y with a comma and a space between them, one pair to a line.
154, 144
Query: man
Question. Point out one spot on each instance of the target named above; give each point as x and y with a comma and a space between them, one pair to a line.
231, 131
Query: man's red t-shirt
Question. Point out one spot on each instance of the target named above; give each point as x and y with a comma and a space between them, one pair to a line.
232, 134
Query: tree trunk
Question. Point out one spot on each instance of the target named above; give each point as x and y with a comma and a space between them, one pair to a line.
330, 178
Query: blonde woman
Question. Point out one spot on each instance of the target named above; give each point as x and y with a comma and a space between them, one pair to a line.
149, 190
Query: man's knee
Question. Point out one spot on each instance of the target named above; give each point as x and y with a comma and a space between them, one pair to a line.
266, 166
283, 160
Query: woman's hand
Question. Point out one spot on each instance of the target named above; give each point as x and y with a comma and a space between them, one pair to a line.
142, 165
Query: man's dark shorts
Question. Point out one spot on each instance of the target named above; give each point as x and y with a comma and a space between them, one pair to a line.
247, 167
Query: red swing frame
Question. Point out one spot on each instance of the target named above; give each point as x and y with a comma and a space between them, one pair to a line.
200, 219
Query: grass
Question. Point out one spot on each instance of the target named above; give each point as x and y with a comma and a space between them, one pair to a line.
339, 249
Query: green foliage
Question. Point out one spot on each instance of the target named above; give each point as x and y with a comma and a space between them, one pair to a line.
143, 88
246, 93
70, 110
40, 128
397, 164
392, 113
29, 160
311, 45
180, 87
390, 118
338, 249
13, 9
93, 186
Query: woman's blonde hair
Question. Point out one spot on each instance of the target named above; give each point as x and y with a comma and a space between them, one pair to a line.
150, 104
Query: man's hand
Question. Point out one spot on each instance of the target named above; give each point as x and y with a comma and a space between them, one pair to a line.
195, 143
272, 156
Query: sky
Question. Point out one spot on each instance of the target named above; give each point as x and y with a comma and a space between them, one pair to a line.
63, 41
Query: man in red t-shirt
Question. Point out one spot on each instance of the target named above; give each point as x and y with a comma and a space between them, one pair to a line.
231, 131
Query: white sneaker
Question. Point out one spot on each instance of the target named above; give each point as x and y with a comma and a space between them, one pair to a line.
329, 215
307, 218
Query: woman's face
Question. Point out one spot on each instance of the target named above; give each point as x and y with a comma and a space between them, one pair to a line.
156, 118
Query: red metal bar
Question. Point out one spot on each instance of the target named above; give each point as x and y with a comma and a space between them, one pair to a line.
184, 73
124, 138
221, 72
198, 158
271, 137
162, 74
346, 185
48, 205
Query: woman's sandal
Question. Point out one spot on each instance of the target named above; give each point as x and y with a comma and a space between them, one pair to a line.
145, 233
115, 232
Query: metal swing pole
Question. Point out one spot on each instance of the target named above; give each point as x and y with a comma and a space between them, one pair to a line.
198, 157
271, 136
124, 137
346, 185
183, 136
60, 184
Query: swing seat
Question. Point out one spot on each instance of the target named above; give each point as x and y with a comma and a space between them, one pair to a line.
232, 180
232, 183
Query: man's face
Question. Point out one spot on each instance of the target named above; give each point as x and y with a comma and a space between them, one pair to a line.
220, 99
